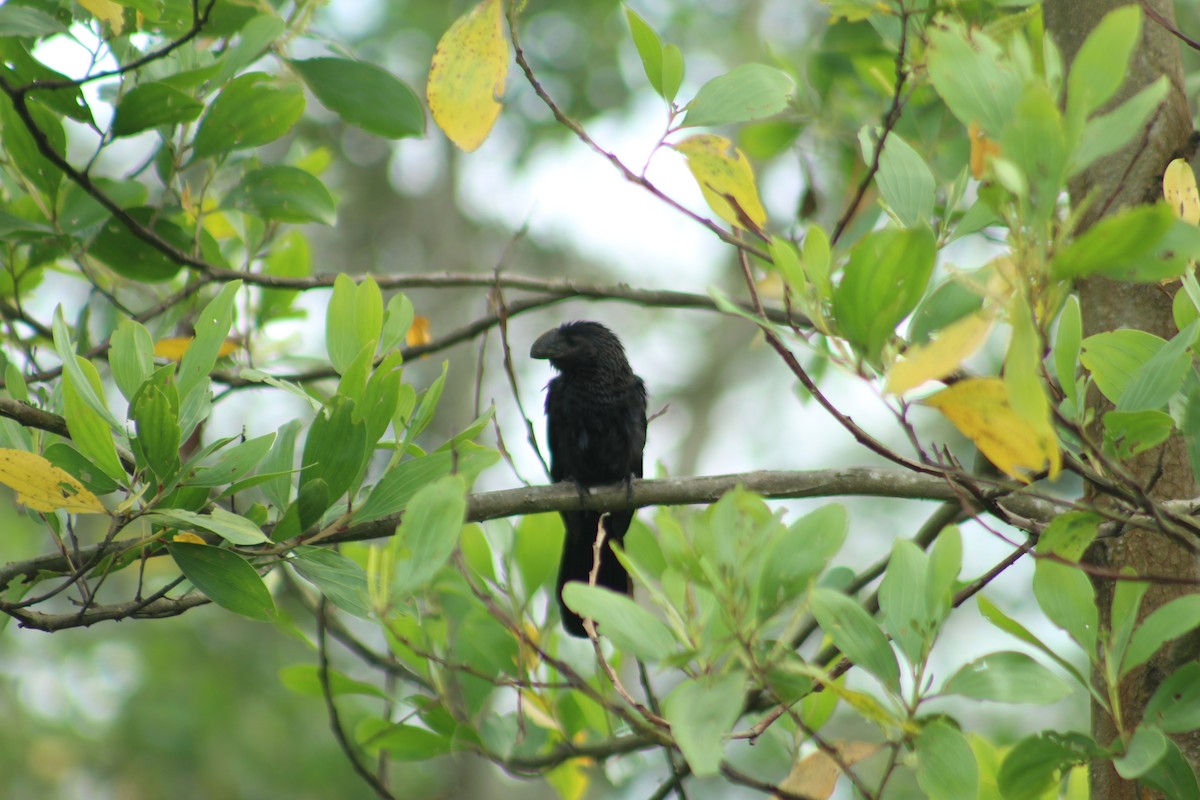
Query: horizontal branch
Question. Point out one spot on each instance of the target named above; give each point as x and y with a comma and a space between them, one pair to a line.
482, 506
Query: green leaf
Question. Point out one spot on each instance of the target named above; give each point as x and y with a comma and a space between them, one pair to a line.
948, 303
1189, 425
1034, 764
702, 711
1007, 677
630, 627
1133, 432
971, 75
289, 258
1066, 596
1100, 67
945, 562
902, 599
397, 319
254, 38
336, 450
649, 47
1167, 622
1070, 534
1145, 243
906, 182
1173, 775
885, 277
1155, 381
1066, 346
225, 578
994, 615
1035, 141
249, 112
21, 148
1113, 357
353, 320
305, 679
1175, 705
1145, 749
86, 384
286, 194
428, 533
946, 766
21, 21
365, 95
281, 460
212, 327
89, 430
235, 462
231, 527
537, 543
795, 558
339, 578
130, 356
749, 91
401, 741
64, 456
158, 434
856, 635
149, 105
401, 482
131, 257
1107, 133
672, 71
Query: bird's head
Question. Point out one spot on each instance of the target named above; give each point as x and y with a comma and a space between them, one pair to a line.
579, 344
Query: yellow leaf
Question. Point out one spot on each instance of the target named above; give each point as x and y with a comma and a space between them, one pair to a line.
937, 359
982, 149
816, 774
979, 408
218, 224
44, 487
106, 11
466, 78
418, 332
187, 537
1179, 190
726, 180
174, 347
570, 779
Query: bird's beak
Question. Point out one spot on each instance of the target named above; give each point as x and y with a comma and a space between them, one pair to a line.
548, 345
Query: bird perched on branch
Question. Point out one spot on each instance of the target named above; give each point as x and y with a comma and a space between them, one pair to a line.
596, 431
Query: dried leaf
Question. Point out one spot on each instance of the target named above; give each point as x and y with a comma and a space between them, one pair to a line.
1179, 190
816, 774
937, 359
44, 487
466, 78
174, 347
726, 180
980, 409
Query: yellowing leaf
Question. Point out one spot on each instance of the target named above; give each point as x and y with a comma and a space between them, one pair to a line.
571, 778
44, 487
466, 78
188, 538
982, 149
418, 333
106, 11
816, 774
937, 359
726, 179
174, 347
979, 408
1179, 190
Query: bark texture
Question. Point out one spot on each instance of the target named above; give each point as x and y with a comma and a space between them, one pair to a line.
1129, 177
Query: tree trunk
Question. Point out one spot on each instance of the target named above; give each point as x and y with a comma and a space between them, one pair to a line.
1129, 177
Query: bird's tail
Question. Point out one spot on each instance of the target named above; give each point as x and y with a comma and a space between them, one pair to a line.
578, 558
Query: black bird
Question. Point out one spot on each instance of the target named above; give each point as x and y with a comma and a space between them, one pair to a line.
596, 431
